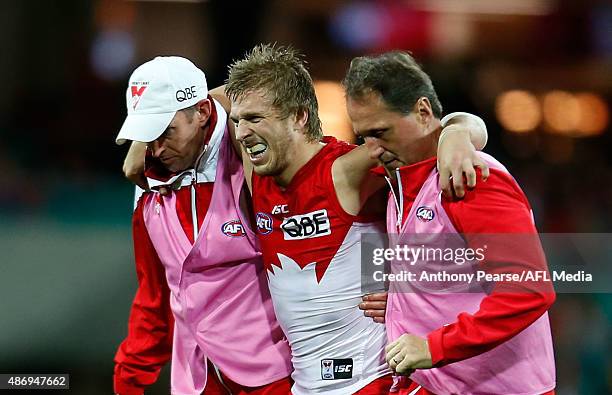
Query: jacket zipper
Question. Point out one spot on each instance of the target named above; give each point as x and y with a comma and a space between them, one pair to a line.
194, 181
229, 391
399, 203
194, 212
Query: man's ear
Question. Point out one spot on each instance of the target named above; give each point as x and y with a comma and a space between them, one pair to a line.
423, 111
301, 118
203, 111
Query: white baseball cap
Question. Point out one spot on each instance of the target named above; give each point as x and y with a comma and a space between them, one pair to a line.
156, 91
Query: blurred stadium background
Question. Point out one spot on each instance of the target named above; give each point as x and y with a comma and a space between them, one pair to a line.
537, 71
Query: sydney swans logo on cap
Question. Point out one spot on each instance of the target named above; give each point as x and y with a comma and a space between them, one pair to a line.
137, 92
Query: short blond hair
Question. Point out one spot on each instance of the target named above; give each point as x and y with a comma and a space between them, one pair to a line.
279, 72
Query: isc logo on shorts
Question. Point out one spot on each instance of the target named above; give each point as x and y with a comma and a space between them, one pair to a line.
334, 369
233, 228
425, 214
306, 226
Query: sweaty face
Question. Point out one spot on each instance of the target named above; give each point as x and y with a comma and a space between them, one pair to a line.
396, 139
178, 147
266, 138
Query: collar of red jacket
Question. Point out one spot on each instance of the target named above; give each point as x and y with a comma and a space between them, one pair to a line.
412, 176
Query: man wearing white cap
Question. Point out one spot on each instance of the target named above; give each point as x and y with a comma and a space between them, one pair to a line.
200, 270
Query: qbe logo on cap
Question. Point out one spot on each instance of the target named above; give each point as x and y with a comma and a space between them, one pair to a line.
335, 369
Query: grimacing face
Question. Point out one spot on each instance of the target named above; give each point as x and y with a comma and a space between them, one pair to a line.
180, 144
396, 139
267, 139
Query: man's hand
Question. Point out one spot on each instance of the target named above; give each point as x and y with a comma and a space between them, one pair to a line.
134, 163
456, 158
375, 306
408, 353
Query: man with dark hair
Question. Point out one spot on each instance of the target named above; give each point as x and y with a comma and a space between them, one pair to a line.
396, 77
313, 198
400, 81
464, 338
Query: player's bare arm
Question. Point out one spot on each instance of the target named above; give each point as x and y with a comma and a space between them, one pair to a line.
133, 164
456, 156
218, 94
352, 181
246, 163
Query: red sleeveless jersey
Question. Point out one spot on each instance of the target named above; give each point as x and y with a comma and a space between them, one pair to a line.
311, 249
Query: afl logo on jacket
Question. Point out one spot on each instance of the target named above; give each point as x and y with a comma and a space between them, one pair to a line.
233, 228
425, 214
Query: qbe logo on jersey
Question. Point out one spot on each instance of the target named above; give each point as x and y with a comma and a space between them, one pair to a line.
306, 226
334, 369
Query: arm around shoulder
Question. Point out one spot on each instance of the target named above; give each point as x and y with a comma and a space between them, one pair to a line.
473, 123
353, 181
462, 135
